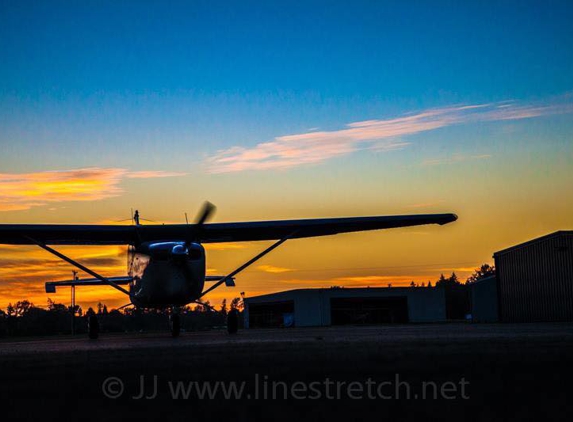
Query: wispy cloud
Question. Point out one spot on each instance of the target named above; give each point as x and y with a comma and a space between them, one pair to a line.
152, 174
24, 270
272, 269
314, 147
26, 190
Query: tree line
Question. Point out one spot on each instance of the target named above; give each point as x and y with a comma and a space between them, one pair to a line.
24, 318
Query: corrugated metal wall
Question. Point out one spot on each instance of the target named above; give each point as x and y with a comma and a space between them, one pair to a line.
535, 280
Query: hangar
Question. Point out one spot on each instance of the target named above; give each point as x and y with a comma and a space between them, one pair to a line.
340, 306
535, 279
484, 300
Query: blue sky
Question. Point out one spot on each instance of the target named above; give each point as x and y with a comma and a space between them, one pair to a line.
209, 75
400, 50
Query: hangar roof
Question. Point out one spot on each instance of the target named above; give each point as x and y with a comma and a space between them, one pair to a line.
351, 291
534, 241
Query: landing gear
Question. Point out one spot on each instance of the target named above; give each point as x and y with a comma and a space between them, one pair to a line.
233, 321
174, 325
93, 327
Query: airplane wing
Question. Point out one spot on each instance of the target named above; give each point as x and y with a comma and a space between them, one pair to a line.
54, 234
272, 230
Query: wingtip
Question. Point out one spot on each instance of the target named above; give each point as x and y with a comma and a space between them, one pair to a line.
450, 219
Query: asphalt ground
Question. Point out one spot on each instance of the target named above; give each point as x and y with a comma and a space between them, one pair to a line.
394, 372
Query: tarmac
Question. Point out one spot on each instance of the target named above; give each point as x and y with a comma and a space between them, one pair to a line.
384, 334
488, 372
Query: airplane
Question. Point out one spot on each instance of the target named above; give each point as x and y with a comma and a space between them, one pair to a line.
167, 262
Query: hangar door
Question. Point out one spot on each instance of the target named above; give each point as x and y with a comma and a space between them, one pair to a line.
370, 310
271, 314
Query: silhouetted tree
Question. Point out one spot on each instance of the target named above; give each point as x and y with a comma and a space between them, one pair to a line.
224, 307
76, 310
484, 271
203, 308
448, 282
22, 307
237, 304
26, 319
90, 312
57, 307
442, 281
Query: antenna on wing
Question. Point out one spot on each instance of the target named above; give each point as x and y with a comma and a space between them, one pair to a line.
137, 219
131, 218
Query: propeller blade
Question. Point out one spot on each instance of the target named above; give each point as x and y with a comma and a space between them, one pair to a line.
206, 213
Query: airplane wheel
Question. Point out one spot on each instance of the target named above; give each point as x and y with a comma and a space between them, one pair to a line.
175, 325
233, 321
93, 327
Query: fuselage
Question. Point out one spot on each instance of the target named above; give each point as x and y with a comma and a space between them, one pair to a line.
166, 273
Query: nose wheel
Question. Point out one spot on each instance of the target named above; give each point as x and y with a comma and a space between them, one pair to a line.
174, 324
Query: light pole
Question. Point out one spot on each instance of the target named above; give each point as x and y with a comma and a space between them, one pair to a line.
73, 308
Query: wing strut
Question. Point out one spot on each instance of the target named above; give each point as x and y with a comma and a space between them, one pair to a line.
80, 266
248, 263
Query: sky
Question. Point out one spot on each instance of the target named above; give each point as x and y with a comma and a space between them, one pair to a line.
276, 110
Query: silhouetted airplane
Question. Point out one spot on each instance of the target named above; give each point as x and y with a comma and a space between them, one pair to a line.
167, 262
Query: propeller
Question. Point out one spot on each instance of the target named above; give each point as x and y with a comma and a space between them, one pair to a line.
205, 213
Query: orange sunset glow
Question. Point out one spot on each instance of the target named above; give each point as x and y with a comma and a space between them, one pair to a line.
393, 257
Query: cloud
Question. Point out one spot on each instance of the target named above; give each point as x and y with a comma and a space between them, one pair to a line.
272, 269
24, 270
314, 147
153, 174
26, 190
